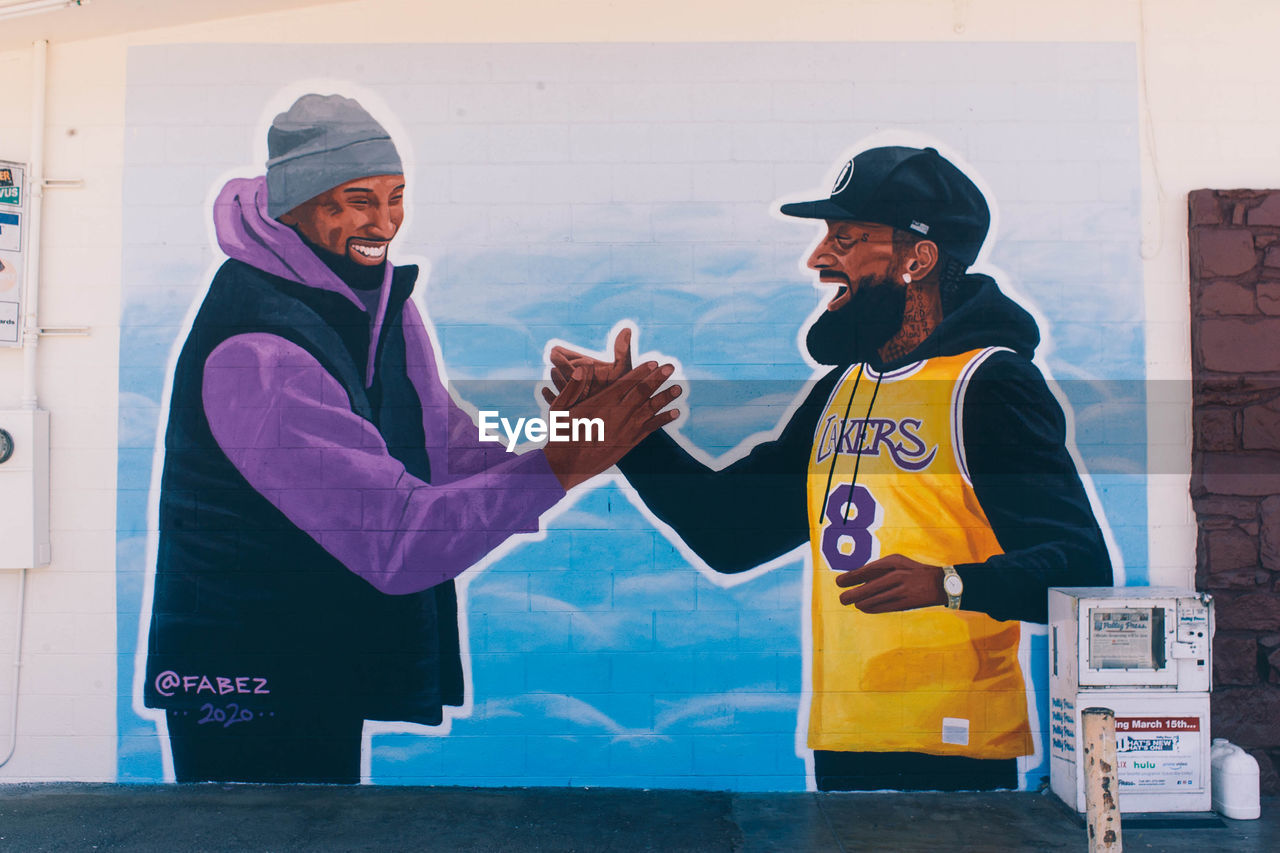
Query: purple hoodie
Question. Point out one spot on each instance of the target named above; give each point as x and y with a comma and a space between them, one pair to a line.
288, 428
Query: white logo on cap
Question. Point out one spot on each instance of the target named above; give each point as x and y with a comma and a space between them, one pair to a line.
917, 225
846, 175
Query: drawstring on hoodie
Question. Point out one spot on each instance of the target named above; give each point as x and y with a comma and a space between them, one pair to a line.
857, 459
831, 471
857, 456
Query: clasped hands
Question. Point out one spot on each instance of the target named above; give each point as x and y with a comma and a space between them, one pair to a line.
630, 401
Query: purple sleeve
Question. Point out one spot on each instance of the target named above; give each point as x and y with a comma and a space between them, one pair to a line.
453, 440
288, 427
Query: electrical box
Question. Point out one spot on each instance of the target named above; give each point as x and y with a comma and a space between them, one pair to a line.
1145, 653
24, 489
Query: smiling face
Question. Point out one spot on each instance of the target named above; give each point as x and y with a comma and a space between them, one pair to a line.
357, 219
852, 255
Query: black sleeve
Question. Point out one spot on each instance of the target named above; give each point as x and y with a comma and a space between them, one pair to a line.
744, 514
1030, 490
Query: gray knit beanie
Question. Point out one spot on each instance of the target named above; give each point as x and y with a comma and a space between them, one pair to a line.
320, 142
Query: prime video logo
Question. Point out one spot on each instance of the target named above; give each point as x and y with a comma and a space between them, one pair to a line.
559, 427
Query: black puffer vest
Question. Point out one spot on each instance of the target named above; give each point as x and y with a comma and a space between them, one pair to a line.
248, 608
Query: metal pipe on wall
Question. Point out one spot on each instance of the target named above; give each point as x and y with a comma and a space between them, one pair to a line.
35, 186
17, 670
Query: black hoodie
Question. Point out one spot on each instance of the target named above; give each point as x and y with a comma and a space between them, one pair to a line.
1014, 437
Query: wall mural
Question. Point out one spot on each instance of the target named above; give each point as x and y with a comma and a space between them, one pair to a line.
385, 339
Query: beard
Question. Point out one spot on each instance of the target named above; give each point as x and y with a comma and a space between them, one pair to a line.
856, 330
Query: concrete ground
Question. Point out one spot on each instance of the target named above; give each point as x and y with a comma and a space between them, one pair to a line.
266, 818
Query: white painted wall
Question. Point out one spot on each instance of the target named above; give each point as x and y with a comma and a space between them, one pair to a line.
1206, 124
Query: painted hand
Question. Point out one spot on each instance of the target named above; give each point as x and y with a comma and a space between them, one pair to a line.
630, 407
892, 583
597, 373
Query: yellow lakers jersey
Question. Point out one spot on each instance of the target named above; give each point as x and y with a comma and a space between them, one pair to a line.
932, 680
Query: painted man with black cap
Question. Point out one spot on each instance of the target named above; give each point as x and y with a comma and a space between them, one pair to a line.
939, 498
321, 489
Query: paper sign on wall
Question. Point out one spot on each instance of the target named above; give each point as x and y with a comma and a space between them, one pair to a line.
10, 188
12, 228
10, 232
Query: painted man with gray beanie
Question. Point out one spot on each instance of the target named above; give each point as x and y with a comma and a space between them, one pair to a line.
321, 489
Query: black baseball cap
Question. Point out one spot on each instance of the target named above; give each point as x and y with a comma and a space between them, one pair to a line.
911, 189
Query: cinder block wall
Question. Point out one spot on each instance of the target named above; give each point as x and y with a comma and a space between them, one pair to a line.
1205, 85
1235, 333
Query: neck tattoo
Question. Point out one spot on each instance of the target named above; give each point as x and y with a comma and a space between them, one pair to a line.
921, 316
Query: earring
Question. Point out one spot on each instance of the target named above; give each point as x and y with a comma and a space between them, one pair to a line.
906, 278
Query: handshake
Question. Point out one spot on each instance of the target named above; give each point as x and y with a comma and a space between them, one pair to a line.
630, 402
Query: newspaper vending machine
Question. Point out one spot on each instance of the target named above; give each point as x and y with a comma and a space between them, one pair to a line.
1143, 652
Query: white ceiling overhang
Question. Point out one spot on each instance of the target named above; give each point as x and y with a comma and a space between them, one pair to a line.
63, 20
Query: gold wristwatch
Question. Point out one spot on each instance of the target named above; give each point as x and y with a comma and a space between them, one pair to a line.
953, 586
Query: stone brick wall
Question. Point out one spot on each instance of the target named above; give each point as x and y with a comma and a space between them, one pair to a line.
1235, 343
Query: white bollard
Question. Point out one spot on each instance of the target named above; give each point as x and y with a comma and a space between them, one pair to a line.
1101, 780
